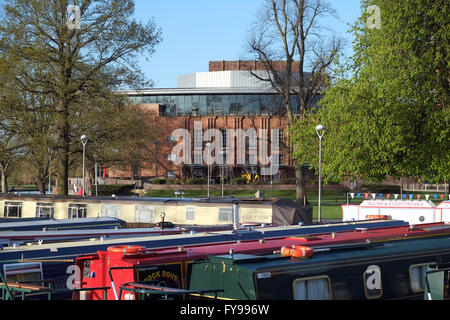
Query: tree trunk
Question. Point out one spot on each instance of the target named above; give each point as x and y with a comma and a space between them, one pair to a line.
4, 172
300, 186
4, 182
41, 185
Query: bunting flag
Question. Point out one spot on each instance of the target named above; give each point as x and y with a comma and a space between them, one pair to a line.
442, 196
388, 195
374, 196
80, 192
410, 196
366, 195
427, 196
396, 196
418, 197
435, 196
404, 196
358, 195
381, 195
352, 195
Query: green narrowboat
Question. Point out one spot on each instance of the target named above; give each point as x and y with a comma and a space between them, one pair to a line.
387, 270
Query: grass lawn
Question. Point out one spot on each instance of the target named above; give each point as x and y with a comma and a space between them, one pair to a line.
331, 200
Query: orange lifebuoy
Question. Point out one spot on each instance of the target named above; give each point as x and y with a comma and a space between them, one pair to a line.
127, 249
376, 217
298, 252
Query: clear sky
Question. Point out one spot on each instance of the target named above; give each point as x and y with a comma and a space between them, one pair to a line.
195, 32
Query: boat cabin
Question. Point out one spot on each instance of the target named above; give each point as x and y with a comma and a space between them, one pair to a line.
144, 210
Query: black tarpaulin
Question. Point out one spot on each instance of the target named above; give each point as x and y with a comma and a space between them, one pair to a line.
286, 211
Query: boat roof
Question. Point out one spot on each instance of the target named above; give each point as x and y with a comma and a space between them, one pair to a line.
159, 241
136, 199
267, 262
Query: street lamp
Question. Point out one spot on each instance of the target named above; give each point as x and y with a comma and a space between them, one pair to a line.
84, 140
320, 130
208, 164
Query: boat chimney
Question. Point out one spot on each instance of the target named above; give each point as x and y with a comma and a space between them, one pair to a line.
235, 211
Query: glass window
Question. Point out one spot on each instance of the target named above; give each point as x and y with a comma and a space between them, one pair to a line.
225, 214
45, 210
417, 276
77, 211
190, 213
13, 209
317, 288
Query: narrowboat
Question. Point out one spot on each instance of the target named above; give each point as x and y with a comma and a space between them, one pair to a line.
413, 211
130, 269
58, 259
145, 210
372, 271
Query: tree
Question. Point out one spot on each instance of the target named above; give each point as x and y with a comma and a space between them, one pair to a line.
75, 62
295, 56
391, 115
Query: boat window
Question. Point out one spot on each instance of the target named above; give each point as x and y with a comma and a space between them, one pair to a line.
45, 210
13, 209
225, 214
372, 282
77, 211
190, 213
18, 272
417, 276
316, 288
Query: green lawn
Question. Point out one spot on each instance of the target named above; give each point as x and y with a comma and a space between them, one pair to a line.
331, 200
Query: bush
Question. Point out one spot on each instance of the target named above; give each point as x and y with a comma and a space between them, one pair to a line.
159, 181
196, 181
172, 181
238, 181
379, 188
117, 189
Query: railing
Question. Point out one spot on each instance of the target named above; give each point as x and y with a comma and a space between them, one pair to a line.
443, 187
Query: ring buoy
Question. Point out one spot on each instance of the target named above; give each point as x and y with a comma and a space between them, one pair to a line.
376, 217
298, 252
127, 249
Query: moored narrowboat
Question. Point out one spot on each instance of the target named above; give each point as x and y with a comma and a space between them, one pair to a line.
385, 270
130, 270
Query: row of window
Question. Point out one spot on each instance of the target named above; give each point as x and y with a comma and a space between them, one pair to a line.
44, 210
143, 213
218, 104
319, 288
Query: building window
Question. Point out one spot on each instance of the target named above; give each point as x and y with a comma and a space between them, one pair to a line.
77, 211
190, 213
225, 214
316, 288
45, 210
417, 276
13, 210
171, 174
372, 282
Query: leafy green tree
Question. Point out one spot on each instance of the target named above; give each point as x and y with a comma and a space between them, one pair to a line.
391, 115
75, 57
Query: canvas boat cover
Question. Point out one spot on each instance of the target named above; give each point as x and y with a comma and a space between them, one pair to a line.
286, 211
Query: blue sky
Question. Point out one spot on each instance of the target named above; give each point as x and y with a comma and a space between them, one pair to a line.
197, 31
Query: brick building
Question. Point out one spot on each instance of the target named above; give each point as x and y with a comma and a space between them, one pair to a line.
227, 98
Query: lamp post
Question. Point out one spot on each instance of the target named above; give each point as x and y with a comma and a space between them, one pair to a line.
320, 130
208, 164
84, 140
